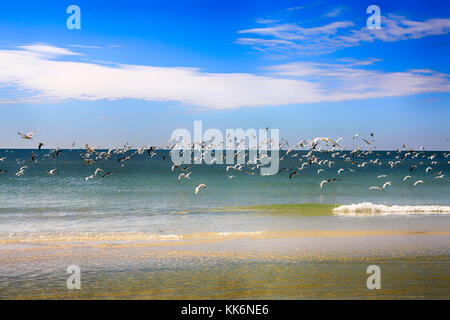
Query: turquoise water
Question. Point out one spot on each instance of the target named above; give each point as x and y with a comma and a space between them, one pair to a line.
145, 194
139, 233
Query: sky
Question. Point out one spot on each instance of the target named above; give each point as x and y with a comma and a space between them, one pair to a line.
137, 70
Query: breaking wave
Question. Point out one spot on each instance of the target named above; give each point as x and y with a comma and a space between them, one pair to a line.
368, 208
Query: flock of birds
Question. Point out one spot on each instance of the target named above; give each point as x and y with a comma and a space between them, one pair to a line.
358, 158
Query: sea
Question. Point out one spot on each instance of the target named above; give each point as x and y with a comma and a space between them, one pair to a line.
138, 230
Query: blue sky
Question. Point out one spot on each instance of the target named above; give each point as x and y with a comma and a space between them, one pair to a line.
138, 70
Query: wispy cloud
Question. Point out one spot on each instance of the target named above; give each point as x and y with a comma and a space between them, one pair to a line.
84, 46
48, 51
334, 12
32, 74
338, 35
348, 81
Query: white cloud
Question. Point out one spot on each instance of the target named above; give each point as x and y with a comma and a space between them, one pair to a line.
334, 12
338, 35
31, 74
84, 46
291, 31
46, 50
347, 82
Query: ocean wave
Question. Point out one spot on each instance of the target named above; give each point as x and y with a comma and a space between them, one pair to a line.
368, 208
123, 239
63, 237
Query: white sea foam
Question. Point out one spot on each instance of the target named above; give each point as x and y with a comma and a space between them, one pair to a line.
368, 208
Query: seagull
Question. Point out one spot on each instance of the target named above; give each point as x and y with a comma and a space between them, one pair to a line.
322, 183
383, 188
417, 182
2, 159
406, 177
106, 174
340, 170
51, 172
382, 176
356, 136
319, 171
90, 177
428, 169
40, 146
97, 171
19, 173
28, 136
200, 186
440, 177
89, 149
292, 174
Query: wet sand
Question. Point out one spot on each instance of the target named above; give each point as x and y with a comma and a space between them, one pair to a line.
296, 264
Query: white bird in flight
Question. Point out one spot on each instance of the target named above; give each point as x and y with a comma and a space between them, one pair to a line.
28, 136
417, 182
51, 172
383, 188
183, 175
200, 186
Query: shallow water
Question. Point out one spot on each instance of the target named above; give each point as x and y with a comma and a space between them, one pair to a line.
139, 233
